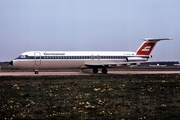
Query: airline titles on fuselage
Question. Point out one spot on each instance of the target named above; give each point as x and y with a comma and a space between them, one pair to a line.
54, 53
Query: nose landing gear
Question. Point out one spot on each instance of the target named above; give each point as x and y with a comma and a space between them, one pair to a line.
36, 71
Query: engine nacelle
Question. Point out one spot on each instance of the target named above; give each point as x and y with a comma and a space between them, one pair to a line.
136, 59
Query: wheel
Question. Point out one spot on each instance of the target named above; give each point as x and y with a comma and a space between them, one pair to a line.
36, 72
95, 70
104, 71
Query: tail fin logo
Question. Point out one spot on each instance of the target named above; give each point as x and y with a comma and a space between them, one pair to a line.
148, 45
147, 48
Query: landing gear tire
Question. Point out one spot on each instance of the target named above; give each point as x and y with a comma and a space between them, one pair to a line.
36, 72
104, 71
95, 70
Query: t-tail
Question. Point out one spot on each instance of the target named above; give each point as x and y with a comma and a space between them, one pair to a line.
148, 45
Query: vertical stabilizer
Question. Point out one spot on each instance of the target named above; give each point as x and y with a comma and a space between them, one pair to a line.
148, 45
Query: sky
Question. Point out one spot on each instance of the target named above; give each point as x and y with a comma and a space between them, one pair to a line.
89, 25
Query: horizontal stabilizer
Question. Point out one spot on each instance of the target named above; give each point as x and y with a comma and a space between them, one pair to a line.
156, 39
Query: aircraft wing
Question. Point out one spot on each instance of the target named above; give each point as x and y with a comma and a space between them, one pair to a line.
112, 64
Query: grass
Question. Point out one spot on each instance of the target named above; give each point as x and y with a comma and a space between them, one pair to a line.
90, 97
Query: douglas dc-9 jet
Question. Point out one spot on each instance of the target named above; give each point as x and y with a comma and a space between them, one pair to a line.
95, 60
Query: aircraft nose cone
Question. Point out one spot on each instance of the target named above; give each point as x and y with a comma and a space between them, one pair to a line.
11, 63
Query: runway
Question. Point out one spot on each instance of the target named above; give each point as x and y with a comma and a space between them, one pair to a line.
84, 73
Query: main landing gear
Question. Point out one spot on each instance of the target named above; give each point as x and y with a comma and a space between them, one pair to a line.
104, 70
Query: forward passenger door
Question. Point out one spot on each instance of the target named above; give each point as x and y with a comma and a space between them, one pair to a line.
37, 57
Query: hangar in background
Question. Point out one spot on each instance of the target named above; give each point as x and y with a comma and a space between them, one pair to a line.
161, 63
4, 63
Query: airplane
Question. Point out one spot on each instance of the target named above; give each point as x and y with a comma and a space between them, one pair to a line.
37, 60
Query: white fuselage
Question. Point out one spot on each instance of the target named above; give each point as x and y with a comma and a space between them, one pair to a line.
74, 59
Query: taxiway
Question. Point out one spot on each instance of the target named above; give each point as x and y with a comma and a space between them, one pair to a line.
84, 73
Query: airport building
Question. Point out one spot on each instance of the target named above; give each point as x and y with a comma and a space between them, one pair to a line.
160, 63
4, 64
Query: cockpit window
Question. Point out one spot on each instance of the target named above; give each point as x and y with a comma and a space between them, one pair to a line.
23, 56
